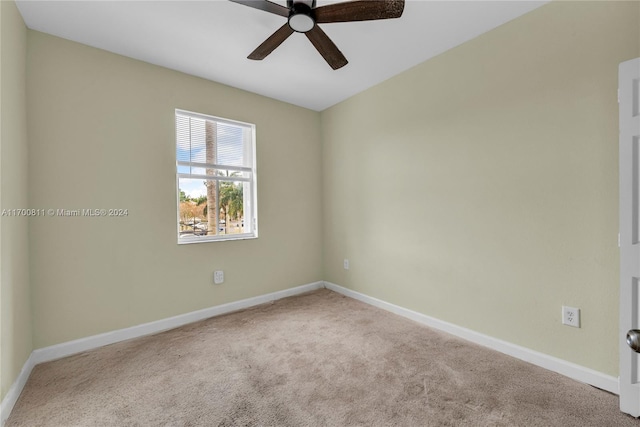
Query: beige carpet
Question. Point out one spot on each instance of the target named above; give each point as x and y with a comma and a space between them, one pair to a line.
318, 359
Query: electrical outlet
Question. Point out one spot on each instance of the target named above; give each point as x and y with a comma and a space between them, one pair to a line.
218, 277
346, 264
571, 316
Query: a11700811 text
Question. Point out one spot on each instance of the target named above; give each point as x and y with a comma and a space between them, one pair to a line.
58, 212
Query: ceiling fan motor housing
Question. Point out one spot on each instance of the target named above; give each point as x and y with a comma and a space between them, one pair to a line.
301, 17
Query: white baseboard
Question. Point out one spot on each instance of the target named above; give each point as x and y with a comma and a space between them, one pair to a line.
58, 351
568, 369
571, 370
13, 394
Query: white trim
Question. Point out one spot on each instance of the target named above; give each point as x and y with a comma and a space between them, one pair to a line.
58, 351
13, 394
214, 177
214, 166
568, 369
571, 370
188, 239
201, 116
249, 182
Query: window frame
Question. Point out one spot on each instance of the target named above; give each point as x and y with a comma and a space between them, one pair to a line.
252, 181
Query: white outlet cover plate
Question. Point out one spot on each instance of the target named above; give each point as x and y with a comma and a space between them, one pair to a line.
571, 316
346, 264
218, 277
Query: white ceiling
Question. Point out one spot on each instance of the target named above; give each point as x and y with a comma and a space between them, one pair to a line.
211, 39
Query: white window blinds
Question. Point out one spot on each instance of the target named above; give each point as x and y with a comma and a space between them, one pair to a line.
216, 171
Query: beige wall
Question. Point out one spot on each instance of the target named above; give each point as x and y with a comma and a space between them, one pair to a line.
15, 307
102, 135
480, 187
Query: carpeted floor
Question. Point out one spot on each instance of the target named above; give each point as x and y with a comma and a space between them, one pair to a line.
318, 359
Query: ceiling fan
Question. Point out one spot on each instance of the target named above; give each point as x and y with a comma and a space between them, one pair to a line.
303, 17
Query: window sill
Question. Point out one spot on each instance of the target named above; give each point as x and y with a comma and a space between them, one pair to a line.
189, 241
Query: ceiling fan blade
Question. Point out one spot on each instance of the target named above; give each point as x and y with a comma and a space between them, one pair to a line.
271, 43
326, 47
362, 10
265, 5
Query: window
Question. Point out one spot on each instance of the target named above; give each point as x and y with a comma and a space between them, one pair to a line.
216, 177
